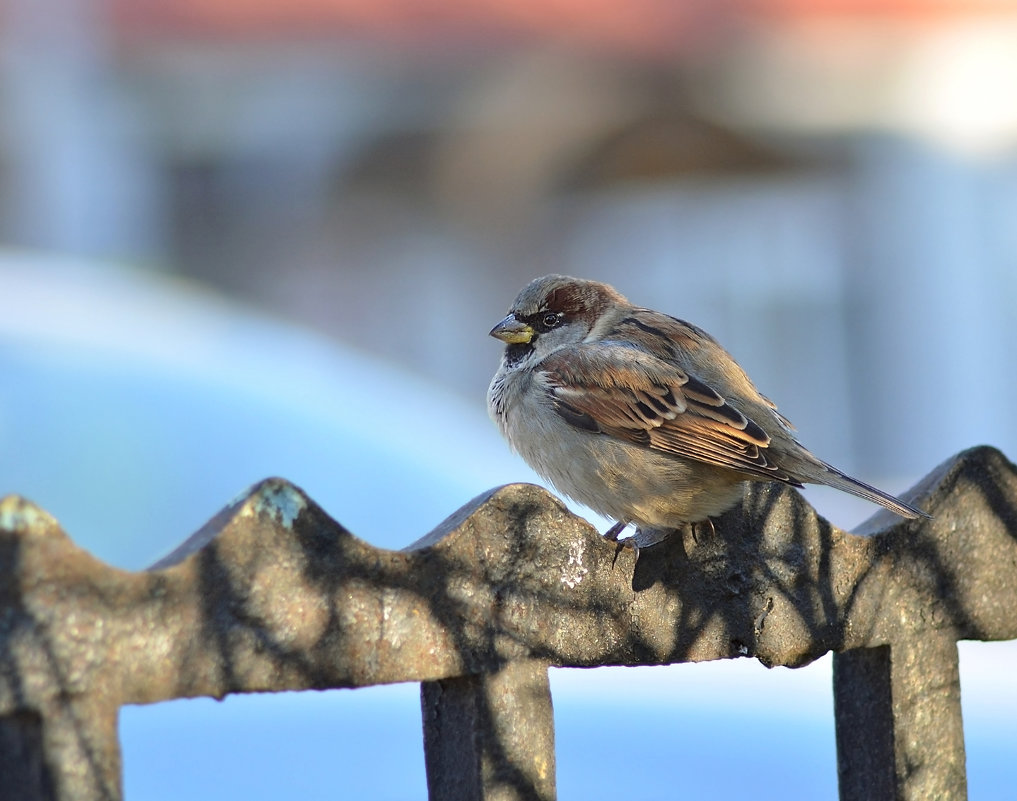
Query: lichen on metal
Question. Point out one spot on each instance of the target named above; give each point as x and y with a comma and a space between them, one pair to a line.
272, 594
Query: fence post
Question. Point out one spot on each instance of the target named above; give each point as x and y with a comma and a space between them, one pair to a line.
490, 737
898, 719
69, 753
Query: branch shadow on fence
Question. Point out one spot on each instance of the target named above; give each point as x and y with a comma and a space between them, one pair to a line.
272, 595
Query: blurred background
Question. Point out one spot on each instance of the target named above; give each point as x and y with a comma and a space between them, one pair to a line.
241, 239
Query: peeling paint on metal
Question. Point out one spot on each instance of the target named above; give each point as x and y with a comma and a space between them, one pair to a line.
17, 514
574, 572
281, 503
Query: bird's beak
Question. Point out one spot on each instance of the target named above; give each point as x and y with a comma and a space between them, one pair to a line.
513, 332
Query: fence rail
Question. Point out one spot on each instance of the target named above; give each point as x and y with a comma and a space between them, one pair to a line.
272, 594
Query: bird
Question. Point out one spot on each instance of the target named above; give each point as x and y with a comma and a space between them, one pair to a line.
642, 417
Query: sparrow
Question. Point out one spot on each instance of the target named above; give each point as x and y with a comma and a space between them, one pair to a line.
641, 417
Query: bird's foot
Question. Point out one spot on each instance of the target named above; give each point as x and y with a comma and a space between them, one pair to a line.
613, 534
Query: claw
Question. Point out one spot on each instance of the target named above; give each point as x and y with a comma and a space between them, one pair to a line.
628, 542
708, 528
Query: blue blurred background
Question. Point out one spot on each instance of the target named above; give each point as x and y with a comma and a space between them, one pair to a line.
245, 239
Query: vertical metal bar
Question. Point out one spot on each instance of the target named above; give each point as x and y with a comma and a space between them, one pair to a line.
862, 702
490, 737
71, 752
900, 734
23, 760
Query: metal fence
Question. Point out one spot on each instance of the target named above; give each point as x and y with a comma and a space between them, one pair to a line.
274, 595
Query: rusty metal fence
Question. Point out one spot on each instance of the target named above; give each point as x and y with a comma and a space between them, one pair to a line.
274, 595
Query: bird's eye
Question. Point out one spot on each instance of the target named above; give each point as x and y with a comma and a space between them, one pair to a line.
552, 320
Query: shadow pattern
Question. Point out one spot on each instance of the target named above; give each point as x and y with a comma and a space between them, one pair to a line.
273, 595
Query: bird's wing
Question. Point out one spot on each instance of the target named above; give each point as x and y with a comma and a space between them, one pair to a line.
622, 391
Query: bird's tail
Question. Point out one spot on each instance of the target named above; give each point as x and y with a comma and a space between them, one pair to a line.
844, 482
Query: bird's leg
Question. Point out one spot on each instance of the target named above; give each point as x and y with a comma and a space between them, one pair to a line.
615, 530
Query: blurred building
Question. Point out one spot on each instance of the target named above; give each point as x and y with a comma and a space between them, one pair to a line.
828, 187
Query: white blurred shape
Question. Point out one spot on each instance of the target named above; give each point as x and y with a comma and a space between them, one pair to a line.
134, 407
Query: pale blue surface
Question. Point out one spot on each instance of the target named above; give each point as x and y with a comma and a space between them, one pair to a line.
133, 411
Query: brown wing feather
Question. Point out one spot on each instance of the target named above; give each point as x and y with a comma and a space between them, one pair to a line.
630, 394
